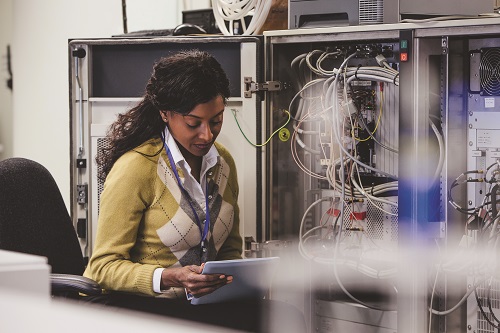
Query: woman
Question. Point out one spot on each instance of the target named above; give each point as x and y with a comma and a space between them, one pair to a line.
169, 202
154, 232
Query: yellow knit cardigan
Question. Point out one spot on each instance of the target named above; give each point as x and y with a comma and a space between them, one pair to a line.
145, 222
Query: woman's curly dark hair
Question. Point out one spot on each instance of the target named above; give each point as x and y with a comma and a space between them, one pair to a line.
179, 82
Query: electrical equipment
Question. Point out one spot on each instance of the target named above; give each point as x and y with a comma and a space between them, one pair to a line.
338, 171
108, 77
414, 255
379, 164
201, 17
327, 13
429, 8
481, 181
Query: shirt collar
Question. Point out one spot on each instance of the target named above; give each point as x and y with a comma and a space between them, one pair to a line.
208, 160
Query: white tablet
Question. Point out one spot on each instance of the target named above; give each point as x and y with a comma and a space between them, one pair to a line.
251, 279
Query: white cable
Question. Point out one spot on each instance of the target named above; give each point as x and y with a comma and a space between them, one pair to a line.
337, 247
362, 268
460, 302
370, 197
302, 222
439, 137
308, 61
301, 131
233, 11
333, 95
322, 58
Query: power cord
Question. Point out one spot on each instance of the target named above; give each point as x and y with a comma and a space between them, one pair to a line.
269, 139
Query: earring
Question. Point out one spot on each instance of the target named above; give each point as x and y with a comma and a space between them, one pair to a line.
163, 117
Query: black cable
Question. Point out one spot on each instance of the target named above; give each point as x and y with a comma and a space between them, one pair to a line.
492, 179
335, 224
489, 167
301, 82
395, 77
455, 184
482, 310
356, 73
493, 193
488, 301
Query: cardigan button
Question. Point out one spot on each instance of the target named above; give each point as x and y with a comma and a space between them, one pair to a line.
210, 197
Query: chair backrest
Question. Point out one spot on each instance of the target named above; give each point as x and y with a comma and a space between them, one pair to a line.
34, 218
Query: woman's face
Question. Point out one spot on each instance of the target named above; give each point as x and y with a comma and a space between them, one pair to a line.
196, 131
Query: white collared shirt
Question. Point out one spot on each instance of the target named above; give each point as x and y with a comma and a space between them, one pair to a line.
195, 190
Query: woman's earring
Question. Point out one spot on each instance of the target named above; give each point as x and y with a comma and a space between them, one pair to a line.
164, 117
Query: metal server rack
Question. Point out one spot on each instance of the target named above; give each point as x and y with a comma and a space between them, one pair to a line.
108, 76
453, 75
443, 118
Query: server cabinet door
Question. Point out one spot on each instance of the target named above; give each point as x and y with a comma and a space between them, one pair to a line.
451, 221
108, 77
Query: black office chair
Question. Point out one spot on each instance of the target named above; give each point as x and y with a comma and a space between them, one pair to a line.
34, 220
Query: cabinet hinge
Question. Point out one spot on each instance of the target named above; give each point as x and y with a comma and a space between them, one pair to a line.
253, 87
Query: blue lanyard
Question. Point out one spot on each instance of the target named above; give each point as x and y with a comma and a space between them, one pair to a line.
203, 232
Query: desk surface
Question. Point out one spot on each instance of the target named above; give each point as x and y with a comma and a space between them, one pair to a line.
33, 310
21, 312
10, 259
25, 273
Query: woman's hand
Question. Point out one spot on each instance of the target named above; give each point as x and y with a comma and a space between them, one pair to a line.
192, 280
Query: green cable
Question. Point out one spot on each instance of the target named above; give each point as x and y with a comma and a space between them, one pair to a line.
267, 141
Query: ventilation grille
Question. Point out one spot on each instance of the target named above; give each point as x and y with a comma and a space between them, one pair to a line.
378, 225
371, 11
483, 326
102, 143
372, 239
489, 71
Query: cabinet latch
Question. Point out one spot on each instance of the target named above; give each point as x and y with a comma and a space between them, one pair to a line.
252, 87
444, 45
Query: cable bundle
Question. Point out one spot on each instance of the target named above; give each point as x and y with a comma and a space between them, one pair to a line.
477, 255
324, 107
234, 12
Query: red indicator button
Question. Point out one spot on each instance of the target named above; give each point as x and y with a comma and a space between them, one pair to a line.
403, 56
